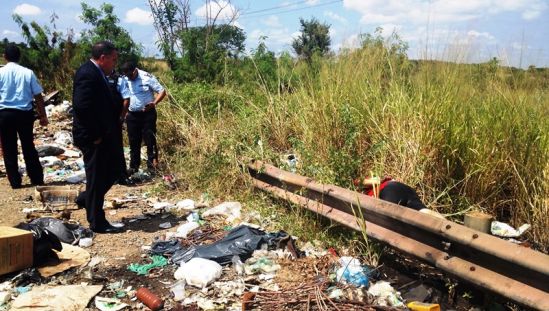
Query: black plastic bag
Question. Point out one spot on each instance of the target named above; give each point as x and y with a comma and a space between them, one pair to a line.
165, 247
44, 242
67, 233
241, 241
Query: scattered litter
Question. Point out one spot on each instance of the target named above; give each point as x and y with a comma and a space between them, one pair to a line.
77, 177
198, 272
51, 161
67, 233
72, 153
5, 297
63, 138
186, 228
231, 210
109, 304
85, 242
165, 225
59, 298
49, 150
57, 198
241, 241
193, 217
69, 257
178, 290
420, 306
351, 271
149, 299
418, 293
162, 205
186, 204
157, 262
385, 294
165, 247
504, 230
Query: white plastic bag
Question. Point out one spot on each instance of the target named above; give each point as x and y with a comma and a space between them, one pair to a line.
186, 204
385, 294
504, 230
198, 272
186, 228
231, 210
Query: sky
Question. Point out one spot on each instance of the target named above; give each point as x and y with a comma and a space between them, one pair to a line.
514, 31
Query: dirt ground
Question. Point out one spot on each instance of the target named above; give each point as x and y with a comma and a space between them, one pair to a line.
116, 251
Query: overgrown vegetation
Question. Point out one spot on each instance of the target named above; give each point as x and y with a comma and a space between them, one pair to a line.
428, 124
464, 135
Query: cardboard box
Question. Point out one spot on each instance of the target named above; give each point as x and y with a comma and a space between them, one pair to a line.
57, 198
15, 249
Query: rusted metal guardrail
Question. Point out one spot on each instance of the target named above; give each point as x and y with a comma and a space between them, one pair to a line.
518, 273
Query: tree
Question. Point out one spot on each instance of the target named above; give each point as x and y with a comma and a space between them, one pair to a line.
105, 27
47, 52
171, 17
207, 49
314, 39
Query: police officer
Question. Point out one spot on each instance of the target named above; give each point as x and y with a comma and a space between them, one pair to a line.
18, 87
146, 92
121, 94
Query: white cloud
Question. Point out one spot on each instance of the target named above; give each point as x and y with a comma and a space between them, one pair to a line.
276, 36
222, 10
9, 33
27, 9
138, 16
335, 17
441, 11
312, 2
480, 35
272, 21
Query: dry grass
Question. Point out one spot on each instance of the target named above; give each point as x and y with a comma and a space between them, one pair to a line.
462, 135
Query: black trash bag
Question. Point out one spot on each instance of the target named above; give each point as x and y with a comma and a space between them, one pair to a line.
27, 277
49, 150
241, 241
166, 247
44, 242
67, 233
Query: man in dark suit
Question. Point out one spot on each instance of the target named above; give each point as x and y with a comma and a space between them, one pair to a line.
95, 119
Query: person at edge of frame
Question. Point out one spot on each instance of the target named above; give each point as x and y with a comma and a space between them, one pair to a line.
18, 87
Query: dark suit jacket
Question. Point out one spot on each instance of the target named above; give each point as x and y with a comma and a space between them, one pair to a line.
94, 109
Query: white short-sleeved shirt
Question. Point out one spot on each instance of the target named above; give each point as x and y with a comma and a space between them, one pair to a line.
18, 86
142, 90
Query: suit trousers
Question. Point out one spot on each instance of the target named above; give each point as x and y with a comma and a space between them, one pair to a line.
13, 123
142, 127
99, 179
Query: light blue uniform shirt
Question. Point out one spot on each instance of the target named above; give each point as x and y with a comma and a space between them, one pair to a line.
18, 85
142, 90
122, 88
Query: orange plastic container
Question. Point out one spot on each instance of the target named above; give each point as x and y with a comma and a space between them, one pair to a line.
149, 299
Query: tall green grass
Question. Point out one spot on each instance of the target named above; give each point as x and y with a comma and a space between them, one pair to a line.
463, 135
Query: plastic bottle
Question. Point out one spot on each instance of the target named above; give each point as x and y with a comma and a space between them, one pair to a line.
149, 299
421, 306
